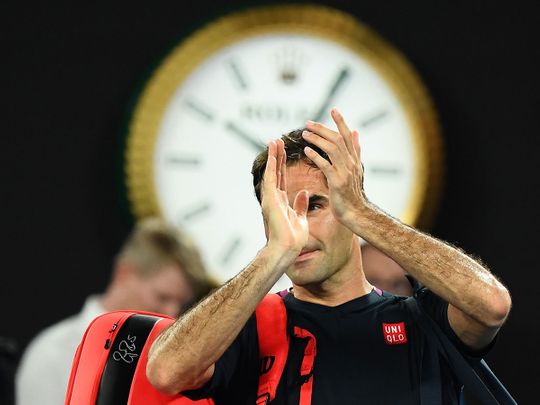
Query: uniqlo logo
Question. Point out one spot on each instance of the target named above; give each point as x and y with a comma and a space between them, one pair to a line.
394, 333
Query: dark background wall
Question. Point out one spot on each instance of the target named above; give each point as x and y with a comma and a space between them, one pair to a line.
68, 73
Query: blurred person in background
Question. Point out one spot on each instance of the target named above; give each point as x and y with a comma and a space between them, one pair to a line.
383, 272
158, 269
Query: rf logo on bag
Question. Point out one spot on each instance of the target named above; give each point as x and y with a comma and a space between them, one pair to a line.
394, 333
125, 350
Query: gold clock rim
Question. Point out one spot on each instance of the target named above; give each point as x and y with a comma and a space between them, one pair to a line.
320, 21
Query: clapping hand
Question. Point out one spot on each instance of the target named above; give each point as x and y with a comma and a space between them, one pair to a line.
286, 227
344, 172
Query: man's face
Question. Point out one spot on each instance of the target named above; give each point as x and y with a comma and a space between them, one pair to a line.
166, 291
330, 244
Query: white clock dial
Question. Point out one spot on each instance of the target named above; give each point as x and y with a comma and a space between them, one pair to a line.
248, 93
246, 78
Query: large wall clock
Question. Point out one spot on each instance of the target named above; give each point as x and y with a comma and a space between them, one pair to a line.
228, 88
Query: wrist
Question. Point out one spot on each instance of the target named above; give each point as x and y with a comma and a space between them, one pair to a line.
279, 257
360, 217
355, 213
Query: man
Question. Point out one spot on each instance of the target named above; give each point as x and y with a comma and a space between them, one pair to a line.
314, 209
158, 270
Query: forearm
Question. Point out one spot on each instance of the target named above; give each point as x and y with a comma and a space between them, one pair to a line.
448, 272
197, 340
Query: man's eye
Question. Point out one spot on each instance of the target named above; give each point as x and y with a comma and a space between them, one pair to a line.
314, 207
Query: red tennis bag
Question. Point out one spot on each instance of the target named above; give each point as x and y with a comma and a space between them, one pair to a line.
109, 367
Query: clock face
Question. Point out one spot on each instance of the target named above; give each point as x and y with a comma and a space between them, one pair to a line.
221, 114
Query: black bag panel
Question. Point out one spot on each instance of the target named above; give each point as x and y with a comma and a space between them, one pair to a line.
123, 358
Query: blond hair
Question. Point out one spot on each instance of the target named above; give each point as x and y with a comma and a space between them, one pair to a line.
154, 244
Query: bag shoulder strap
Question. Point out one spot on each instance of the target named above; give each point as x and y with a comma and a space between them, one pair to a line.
478, 378
271, 317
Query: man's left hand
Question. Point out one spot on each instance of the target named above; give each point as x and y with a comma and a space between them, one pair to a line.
344, 172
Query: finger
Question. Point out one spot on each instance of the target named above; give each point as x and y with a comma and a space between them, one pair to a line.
328, 134
322, 130
301, 203
331, 149
343, 129
269, 178
323, 164
279, 162
325, 132
284, 169
356, 143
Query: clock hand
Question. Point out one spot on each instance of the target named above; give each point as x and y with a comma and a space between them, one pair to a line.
343, 73
256, 144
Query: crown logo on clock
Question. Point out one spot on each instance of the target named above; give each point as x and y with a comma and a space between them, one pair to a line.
289, 62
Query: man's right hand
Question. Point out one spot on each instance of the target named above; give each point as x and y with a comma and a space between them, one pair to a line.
286, 227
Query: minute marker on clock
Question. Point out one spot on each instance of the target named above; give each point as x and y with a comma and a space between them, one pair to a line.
183, 160
381, 115
196, 211
244, 136
239, 79
199, 110
384, 170
230, 250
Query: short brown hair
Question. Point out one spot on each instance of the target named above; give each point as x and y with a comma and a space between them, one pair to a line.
154, 244
294, 148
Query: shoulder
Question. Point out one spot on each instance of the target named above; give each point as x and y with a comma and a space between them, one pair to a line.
46, 362
54, 344
56, 335
438, 310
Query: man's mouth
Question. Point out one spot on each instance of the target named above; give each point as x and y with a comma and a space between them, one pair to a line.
306, 254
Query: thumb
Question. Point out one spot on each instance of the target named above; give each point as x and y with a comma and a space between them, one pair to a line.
301, 202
